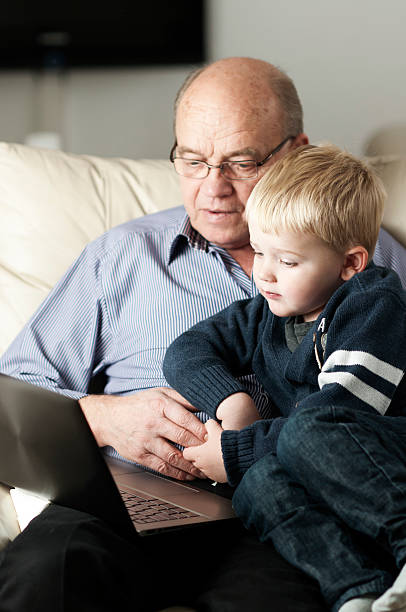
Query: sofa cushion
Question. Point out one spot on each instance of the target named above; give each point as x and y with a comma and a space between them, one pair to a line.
52, 204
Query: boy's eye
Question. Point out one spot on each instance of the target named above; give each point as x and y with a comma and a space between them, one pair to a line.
287, 263
258, 253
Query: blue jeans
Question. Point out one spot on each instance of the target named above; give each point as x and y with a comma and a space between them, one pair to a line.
333, 499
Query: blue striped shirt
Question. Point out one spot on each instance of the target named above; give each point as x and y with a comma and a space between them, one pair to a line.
129, 294
119, 306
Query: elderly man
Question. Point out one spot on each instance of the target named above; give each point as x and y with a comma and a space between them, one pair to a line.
233, 119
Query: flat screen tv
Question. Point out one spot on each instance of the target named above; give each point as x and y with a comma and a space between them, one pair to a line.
101, 33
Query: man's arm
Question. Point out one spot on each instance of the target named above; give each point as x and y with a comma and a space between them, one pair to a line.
64, 345
57, 348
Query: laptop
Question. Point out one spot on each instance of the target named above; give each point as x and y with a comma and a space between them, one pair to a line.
48, 449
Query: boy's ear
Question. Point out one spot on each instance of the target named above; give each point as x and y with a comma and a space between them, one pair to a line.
355, 260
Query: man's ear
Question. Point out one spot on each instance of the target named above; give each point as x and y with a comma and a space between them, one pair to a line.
355, 260
299, 141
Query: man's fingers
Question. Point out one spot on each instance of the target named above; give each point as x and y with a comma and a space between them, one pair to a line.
172, 459
155, 463
188, 430
177, 397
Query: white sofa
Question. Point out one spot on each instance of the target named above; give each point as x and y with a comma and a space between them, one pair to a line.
53, 203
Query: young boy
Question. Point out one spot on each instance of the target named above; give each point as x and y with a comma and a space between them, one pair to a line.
325, 480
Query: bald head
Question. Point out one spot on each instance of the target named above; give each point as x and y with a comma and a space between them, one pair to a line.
255, 86
231, 111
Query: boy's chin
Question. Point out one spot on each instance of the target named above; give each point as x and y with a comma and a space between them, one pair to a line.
280, 311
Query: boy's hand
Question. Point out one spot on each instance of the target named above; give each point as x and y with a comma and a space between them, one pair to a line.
237, 411
208, 456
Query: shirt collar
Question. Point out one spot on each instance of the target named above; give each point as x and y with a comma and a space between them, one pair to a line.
186, 234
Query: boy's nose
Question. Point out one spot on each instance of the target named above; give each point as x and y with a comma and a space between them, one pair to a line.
267, 274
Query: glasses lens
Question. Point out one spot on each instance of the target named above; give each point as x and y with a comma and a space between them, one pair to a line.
191, 168
240, 170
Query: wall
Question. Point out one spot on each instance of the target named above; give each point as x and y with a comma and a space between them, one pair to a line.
124, 113
348, 60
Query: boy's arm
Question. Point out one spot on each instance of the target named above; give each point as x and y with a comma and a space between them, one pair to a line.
204, 363
365, 353
237, 411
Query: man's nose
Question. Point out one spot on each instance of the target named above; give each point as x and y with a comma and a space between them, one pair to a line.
215, 185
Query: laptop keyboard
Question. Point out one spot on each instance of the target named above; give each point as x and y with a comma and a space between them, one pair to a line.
150, 509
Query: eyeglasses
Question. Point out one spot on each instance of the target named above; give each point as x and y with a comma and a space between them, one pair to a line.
242, 170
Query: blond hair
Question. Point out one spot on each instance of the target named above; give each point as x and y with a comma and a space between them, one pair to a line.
323, 191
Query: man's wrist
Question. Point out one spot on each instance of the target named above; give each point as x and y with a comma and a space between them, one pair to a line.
91, 406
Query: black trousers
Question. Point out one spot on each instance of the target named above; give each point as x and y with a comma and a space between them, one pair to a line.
66, 560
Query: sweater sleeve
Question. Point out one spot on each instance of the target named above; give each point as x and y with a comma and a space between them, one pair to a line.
363, 355
204, 363
242, 448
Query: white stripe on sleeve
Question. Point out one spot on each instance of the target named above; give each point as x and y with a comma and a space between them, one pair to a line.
370, 362
357, 387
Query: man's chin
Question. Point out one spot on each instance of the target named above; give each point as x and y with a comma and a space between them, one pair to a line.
223, 232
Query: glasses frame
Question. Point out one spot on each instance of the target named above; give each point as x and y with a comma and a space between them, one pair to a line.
172, 158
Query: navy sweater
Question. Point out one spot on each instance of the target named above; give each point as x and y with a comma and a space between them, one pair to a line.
354, 355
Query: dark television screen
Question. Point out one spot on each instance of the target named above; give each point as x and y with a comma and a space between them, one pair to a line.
90, 33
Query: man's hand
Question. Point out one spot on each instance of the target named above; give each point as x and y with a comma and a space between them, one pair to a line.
237, 411
139, 426
208, 456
